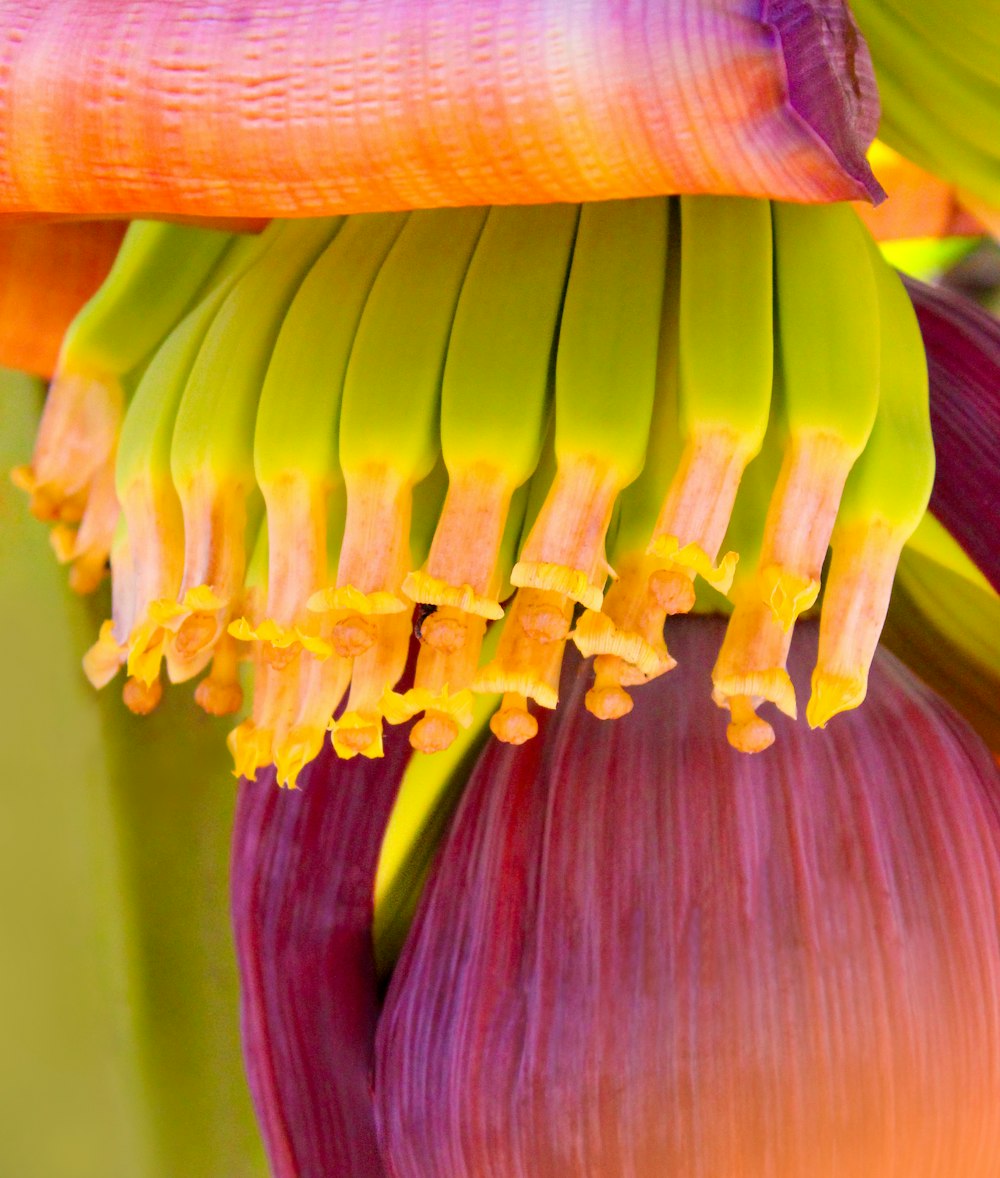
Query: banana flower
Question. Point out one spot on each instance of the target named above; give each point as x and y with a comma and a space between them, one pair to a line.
639, 950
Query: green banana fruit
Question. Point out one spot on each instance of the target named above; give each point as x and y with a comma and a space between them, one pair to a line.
883, 502
296, 457
626, 634
828, 352
297, 468
726, 349
144, 487
494, 399
211, 458
750, 668
606, 356
393, 378
158, 272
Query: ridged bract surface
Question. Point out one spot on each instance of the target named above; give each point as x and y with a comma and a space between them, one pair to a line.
644, 954
305, 107
302, 879
47, 273
963, 363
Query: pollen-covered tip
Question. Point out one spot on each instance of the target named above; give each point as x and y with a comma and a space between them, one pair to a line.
643, 953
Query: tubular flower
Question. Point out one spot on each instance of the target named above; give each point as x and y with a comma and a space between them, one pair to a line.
548, 346
293, 482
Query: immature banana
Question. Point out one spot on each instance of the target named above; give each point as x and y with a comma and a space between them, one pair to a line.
828, 327
726, 348
151, 508
158, 272
295, 440
389, 443
750, 668
714, 391
494, 399
824, 406
297, 468
605, 379
211, 457
626, 634
883, 502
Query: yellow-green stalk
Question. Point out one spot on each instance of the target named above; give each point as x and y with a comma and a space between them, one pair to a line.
605, 381
494, 399
726, 356
828, 332
159, 271
211, 458
883, 502
388, 444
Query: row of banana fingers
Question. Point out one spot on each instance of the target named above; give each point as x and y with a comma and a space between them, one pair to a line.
289, 442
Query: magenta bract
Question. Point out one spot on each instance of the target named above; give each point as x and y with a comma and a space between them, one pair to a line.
302, 876
963, 360
644, 954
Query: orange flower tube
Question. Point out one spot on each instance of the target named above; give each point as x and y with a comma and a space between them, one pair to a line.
340, 106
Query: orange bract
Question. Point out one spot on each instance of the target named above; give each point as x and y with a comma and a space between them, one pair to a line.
47, 272
276, 109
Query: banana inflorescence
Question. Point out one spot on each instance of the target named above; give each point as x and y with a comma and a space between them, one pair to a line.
566, 422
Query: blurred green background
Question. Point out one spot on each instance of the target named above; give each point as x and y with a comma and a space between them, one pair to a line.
118, 994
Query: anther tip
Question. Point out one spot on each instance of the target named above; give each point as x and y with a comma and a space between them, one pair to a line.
443, 632
195, 634
672, 591
352, 636
436, 732
142, 698
544, 623
513, 725
218, 698
358, 740
608, 703
747, 732
279, 657
753, 737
